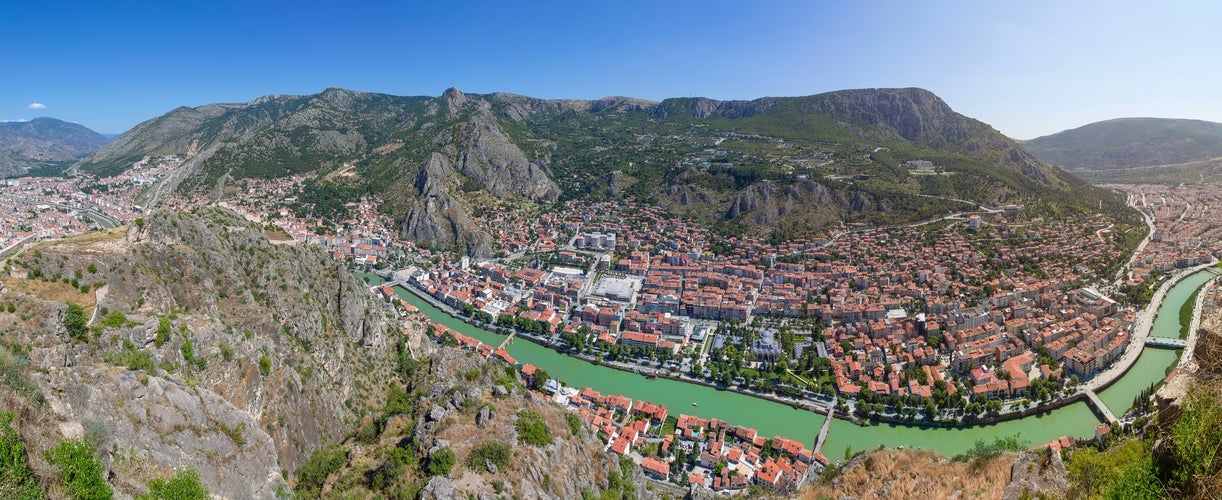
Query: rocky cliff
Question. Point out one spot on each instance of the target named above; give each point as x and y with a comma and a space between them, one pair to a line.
469, 409
888, 473
189, 341
208, 348
436, 218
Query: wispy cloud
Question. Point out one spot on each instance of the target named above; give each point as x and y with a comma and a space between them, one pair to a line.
37, 105
19, 120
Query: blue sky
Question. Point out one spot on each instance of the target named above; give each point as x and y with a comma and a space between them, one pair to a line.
1027, 68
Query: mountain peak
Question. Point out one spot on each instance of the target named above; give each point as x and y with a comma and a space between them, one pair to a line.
454, 97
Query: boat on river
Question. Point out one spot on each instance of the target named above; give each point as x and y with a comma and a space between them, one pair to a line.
694, 403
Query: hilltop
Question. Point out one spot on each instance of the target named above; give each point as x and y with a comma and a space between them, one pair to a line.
1136, 150
777, 166
44, 142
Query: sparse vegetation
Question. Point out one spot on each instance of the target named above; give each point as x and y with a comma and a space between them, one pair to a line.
131, 357
79, 472
235, 433
163, 331
440, 462
574, 423
183, 485
493, 452
985, 450
1189, 467
16, 480
188, 354
313, 475
532, 429
114, 319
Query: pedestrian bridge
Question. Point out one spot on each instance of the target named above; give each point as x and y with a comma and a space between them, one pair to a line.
1166, 342
1100, 407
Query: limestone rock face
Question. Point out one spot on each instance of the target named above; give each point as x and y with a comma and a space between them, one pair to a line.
516, 148
438, 488
766, 203
1037, 473
233, 356
438, 219
570, 464
161, 421
495, 162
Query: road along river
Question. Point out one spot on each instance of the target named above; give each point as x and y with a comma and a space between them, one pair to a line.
772, 418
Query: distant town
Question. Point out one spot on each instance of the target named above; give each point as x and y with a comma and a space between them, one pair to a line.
967, 318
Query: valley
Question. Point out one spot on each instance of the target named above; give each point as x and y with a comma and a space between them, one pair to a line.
699, 283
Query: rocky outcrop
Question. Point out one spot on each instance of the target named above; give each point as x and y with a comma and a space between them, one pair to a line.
914, 114
279, 332
765, 202
910, 113
702, 107
913, 474
459, 410
1037, 474
685, 195
439, 220
612, 185
149, 419
491, 159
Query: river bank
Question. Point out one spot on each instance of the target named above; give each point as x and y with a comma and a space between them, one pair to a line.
1134, 352
1036, 425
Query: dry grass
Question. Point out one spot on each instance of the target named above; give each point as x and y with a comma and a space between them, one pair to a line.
56, 291
111, 241
915, 474
277, 235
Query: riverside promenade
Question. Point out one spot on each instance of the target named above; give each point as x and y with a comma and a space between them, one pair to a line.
1187, 361
1137, 342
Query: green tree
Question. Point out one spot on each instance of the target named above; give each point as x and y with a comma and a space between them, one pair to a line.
539, 380
440, 462
495, 452
313, 475
163, 331
532, 429
76, 323
574, 423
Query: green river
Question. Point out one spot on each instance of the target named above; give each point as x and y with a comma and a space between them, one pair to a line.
772, 418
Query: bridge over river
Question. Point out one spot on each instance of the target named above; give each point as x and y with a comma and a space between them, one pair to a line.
1101, 407
773, 418
1166, 342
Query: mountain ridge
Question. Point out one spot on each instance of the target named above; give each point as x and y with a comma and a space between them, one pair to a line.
28, 144
541, 150
1106, 149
